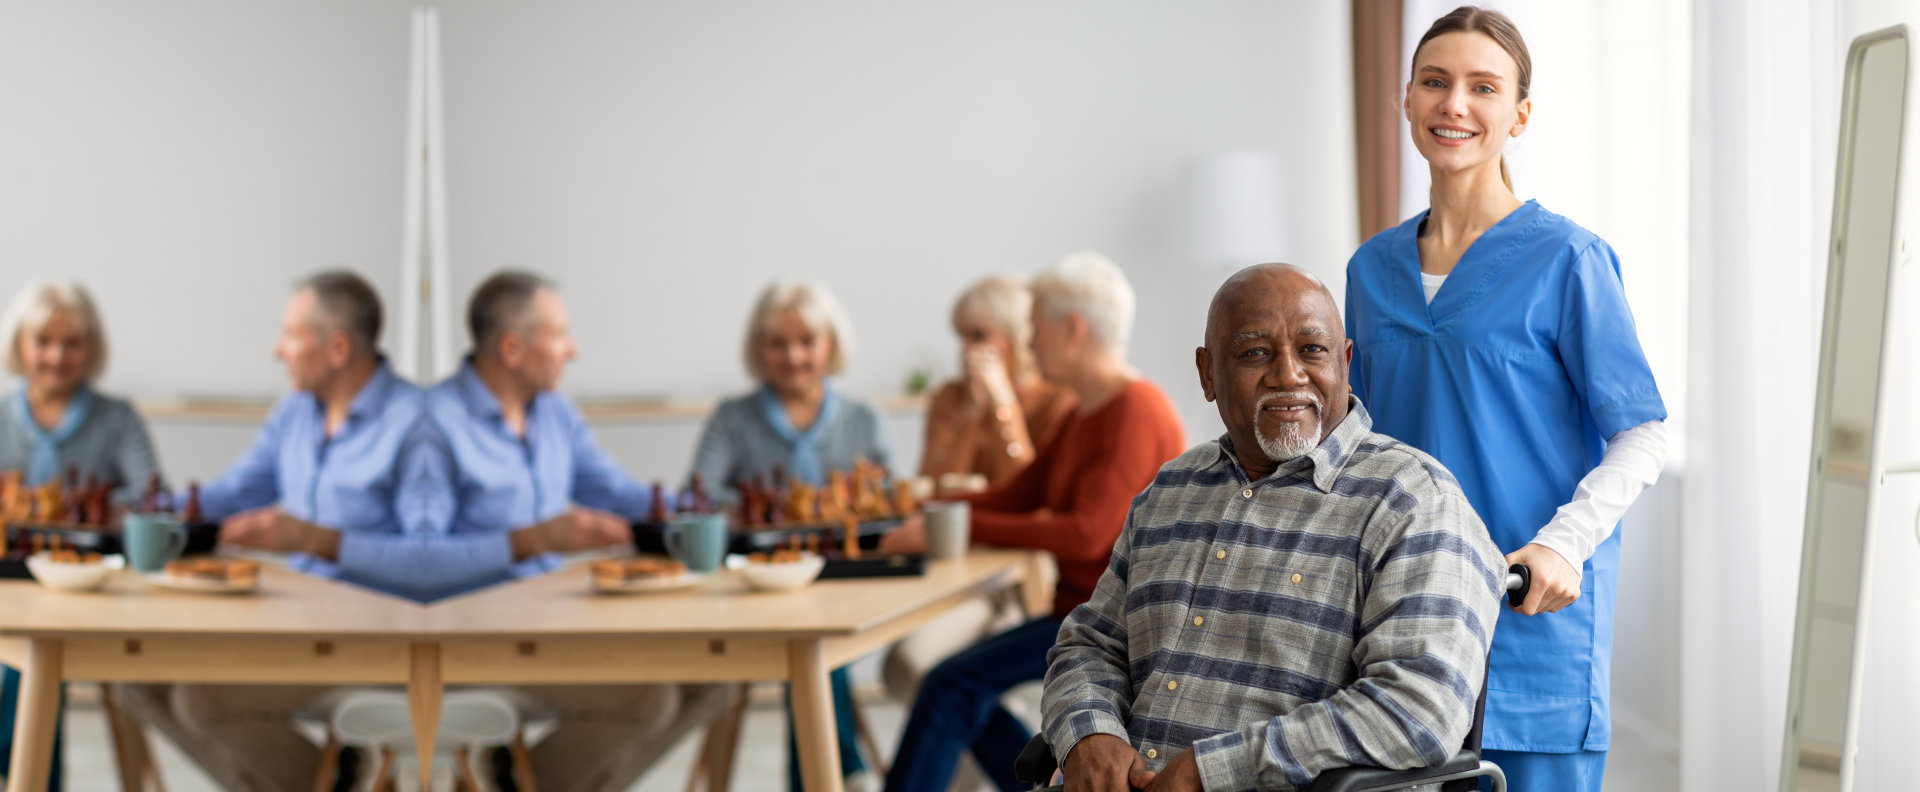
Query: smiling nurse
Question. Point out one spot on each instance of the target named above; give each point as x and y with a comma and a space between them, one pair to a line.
1495, 335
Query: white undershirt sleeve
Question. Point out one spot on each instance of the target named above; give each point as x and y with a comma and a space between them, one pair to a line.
1630, 465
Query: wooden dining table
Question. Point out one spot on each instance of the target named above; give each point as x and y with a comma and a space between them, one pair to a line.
552, 629
293, 629
555, 630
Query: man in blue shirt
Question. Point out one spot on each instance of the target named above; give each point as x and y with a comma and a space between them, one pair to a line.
331, 479
528, 482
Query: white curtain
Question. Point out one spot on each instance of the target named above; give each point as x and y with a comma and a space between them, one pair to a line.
1766, 83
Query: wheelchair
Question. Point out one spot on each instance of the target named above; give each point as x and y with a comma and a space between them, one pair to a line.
1036, 764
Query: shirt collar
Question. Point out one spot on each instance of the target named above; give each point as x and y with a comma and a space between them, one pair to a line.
1326, 459
478, 399
372, 397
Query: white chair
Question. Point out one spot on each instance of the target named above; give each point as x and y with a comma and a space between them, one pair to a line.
471, 721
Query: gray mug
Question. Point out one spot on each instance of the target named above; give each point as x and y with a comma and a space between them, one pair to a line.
698, 540
949, 529
151, 540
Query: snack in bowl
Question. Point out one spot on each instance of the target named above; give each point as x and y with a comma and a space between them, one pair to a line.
622, 571
782, 570
67, 570
233, 573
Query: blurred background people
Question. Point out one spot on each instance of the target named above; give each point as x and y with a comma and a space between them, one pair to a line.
526, 484
55, 423
996, 416
1071, 502
796, 424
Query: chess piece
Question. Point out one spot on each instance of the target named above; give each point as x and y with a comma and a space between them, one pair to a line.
191, 514
800, 503
657, 514
834, 503
93, 504
52, 506
750, 506
150, 498
698, 486
850, 544
15, 500
903, 501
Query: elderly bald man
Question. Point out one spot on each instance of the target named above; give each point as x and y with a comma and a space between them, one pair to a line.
1298, 595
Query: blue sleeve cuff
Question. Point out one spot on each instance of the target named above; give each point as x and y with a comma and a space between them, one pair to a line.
537, 565
303, 563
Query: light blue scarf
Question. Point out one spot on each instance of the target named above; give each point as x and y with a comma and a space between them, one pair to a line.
805, 464
45, 464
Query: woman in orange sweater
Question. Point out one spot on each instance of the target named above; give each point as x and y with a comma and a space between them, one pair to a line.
1071, 502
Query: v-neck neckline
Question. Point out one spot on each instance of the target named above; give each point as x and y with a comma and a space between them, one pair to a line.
1464, 280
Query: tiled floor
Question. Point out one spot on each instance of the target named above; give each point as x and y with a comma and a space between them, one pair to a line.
1633, 765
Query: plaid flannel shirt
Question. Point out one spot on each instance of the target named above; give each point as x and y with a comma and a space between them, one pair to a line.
1337, 612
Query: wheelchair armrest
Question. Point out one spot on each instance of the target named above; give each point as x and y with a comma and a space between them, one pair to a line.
1036, 763
1376, 779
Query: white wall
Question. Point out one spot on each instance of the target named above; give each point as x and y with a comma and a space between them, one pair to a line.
664, 162
189, 160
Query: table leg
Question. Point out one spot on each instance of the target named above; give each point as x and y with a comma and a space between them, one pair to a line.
39, 715
813, 723
128, 739
1034, 591
423, 701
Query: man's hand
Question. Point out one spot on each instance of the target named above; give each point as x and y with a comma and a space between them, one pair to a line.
259, 529
1180, 775
908, 539
1105, 763
1556, 583
591, 529
275, 531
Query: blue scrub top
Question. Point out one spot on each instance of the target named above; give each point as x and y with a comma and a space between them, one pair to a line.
1526, 361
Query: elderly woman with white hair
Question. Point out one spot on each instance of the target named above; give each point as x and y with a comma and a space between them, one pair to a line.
1070, 502
993, 420
54, 422
797, 421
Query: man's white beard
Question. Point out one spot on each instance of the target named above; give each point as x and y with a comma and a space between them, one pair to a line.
1297, 438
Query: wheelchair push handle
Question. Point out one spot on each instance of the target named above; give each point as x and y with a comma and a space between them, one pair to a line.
1519, 581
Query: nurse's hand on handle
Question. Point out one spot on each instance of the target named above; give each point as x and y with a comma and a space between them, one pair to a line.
1556, 584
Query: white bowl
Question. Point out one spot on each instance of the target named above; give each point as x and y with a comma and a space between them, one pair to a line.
783, 576
73, 577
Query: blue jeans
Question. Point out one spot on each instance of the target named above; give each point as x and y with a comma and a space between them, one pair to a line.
850, 761
9, 713
959, 708
1549, 772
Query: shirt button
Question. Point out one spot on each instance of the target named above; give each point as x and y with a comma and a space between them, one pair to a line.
1199, 620
1152, 754
1246, 493
1172, 685
1220, 554
1296, 577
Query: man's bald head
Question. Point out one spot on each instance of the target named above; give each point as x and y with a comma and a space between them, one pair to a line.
1262, 281
1275, 363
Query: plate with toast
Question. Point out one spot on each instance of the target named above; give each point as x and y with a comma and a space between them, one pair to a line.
642, 575
208, 575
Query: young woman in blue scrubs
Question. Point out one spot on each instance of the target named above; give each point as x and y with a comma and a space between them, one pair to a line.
1495, 335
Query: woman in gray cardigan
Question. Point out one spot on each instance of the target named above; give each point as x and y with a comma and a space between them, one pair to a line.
54, 421
798, 422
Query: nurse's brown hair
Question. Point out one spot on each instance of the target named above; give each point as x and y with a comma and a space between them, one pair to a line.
1493, 25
